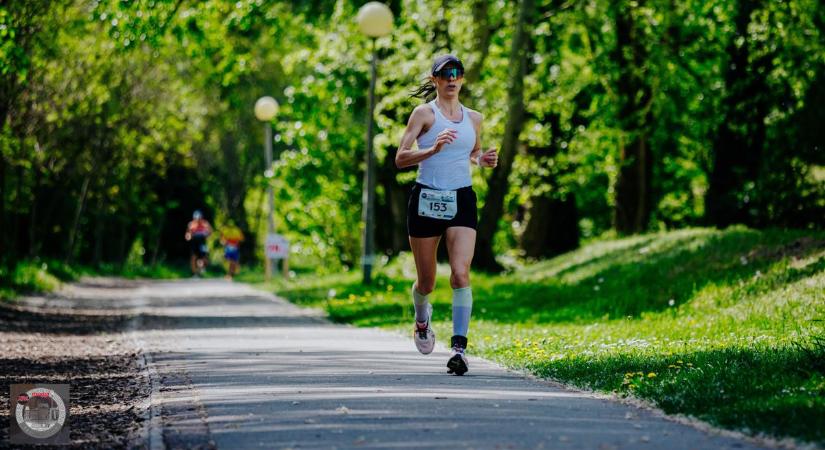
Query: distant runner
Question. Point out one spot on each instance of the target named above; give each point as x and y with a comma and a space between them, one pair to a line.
196, 233
231, 238
442, 201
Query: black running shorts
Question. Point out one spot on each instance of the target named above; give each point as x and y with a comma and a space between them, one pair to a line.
420, 226
198, 246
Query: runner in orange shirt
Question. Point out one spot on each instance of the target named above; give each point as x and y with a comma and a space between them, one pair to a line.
231, 238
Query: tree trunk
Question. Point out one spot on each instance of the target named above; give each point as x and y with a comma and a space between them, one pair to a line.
441, 29
739, 142
394, 226
235, 189
482, 35
498, 184
157, 238
34, 246
16, 242
552, 219
632, 208
3, 252
81, 203
97, 252
252, 236
552, 226
633, 186
53, 197
123, 244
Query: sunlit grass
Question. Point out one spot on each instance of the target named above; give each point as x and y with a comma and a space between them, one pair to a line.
721, 325
44, 276
157, 271
33, 276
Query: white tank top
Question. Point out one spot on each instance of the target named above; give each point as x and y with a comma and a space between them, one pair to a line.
448, 169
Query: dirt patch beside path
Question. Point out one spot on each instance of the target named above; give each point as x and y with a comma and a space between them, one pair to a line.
78, 336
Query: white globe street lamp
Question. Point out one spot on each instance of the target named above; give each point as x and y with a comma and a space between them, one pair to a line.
374, 20
266, 108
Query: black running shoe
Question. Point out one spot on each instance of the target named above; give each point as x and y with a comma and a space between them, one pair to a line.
457, 364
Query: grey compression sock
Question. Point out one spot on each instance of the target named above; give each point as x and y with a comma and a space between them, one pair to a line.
420, 302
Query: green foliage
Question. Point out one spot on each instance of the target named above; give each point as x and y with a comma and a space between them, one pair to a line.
42, 276
120, 118
33, 276
157, 271
721, 325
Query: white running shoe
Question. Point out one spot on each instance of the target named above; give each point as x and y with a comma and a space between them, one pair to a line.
424, 337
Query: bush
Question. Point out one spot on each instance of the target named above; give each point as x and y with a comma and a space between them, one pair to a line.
29, 276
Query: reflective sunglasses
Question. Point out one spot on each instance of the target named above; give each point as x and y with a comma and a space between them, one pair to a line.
452, 72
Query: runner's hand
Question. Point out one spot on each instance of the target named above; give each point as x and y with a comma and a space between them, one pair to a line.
447, 136
489, 158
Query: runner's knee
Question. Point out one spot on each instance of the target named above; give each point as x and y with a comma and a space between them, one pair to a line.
425, 285
460, 277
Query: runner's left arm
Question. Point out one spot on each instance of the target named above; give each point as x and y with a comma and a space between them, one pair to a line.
479, 157
476, 118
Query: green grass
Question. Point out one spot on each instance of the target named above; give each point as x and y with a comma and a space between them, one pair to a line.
42, 276
725, 325
158, 271
33, 276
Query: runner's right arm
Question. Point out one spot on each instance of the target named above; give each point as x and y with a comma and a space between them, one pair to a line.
406, 155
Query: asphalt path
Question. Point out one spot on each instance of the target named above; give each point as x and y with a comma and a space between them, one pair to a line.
234, 367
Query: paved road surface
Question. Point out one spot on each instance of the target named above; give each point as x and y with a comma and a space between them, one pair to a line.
238, 368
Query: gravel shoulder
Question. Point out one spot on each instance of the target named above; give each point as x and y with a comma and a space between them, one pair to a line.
79, 336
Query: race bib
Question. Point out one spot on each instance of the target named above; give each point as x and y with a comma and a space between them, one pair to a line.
437, 204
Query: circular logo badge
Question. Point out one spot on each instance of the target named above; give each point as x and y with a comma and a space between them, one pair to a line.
42, 414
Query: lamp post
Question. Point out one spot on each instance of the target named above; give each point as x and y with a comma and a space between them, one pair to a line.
374, 20
266, 108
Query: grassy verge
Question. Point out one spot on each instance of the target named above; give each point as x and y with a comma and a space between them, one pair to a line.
33, 276
37, 276
158, 271
725, 325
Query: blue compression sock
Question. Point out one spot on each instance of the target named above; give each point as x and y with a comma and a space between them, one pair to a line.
462, 308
